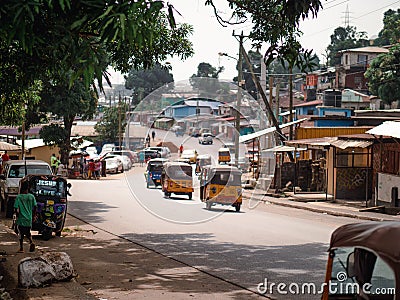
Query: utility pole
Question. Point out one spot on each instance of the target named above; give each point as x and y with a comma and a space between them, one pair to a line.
264, 97
291, 102
239, 95
119, 121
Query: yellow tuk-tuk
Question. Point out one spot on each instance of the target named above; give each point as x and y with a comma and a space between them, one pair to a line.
202, 161
363, 262
224, 155
177, 179
221, 185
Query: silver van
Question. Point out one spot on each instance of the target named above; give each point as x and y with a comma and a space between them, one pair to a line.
13, 172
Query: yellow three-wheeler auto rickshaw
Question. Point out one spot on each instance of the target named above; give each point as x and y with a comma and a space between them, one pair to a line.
224, 155
221, 185
177, 179
364, 262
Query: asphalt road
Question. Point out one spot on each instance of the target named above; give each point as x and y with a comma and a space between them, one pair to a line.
262, 242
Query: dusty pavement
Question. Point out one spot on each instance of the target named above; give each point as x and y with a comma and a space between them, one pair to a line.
109, 267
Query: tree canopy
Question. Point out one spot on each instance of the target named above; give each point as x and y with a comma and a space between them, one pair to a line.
344, 38
390, 34
144, 81
206, 82
108, 127
65, 103
275, 23
383, 76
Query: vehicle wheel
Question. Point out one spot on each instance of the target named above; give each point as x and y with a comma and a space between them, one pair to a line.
208, 205
58, 233
237, 207
166, 194
9, 207
46, 234
190, 196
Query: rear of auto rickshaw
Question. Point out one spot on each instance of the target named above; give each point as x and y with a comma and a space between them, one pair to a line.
202, 161
153, 171
51, 194
364, 262
224, 155
177, 179
221, 185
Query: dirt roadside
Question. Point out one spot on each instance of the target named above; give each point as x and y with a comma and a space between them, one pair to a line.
109, 267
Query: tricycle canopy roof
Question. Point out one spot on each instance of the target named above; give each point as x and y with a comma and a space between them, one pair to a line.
157, 161
380, 237
231, 169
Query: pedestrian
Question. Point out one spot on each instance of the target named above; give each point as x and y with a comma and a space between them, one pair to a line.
58, 162
97, 168
148, 140
141, 158
53, 163
153, 134
5, 157
180, 149
25, 209
91, 169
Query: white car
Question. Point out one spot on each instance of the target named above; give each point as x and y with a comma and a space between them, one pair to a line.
164, 151
14, 171
113, 165
126, 162
206, 138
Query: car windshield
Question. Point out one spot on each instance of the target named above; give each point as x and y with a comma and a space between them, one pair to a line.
19, 171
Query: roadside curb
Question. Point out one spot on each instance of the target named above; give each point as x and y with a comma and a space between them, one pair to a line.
305, 206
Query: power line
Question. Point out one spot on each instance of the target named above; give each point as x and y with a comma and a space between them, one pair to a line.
366, 14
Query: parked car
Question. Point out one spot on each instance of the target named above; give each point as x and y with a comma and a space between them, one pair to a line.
164, 151
130, 154
14, 171
113, 164
126, 162
206, 138
190, 155
149, 154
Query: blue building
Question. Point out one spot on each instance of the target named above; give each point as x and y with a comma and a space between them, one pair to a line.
192, 107
328, 116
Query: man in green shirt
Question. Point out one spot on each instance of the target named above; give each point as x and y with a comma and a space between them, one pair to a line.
25, 207
53, 163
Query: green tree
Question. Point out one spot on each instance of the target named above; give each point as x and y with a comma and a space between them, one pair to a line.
383, 76
344, 38
390, 34
65, 102
276, 23
206, 82
108, 127
144, 81
79, 39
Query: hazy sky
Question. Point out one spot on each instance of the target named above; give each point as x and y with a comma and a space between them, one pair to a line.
210, 38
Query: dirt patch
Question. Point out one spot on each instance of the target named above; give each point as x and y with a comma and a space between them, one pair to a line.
109, 267
172, 147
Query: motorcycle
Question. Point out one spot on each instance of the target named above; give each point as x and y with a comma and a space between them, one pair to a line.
51, 194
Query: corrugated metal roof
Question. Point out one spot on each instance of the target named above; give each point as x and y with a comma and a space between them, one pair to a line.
315, 142
344, 144
283, 149
257, 134
388, 128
